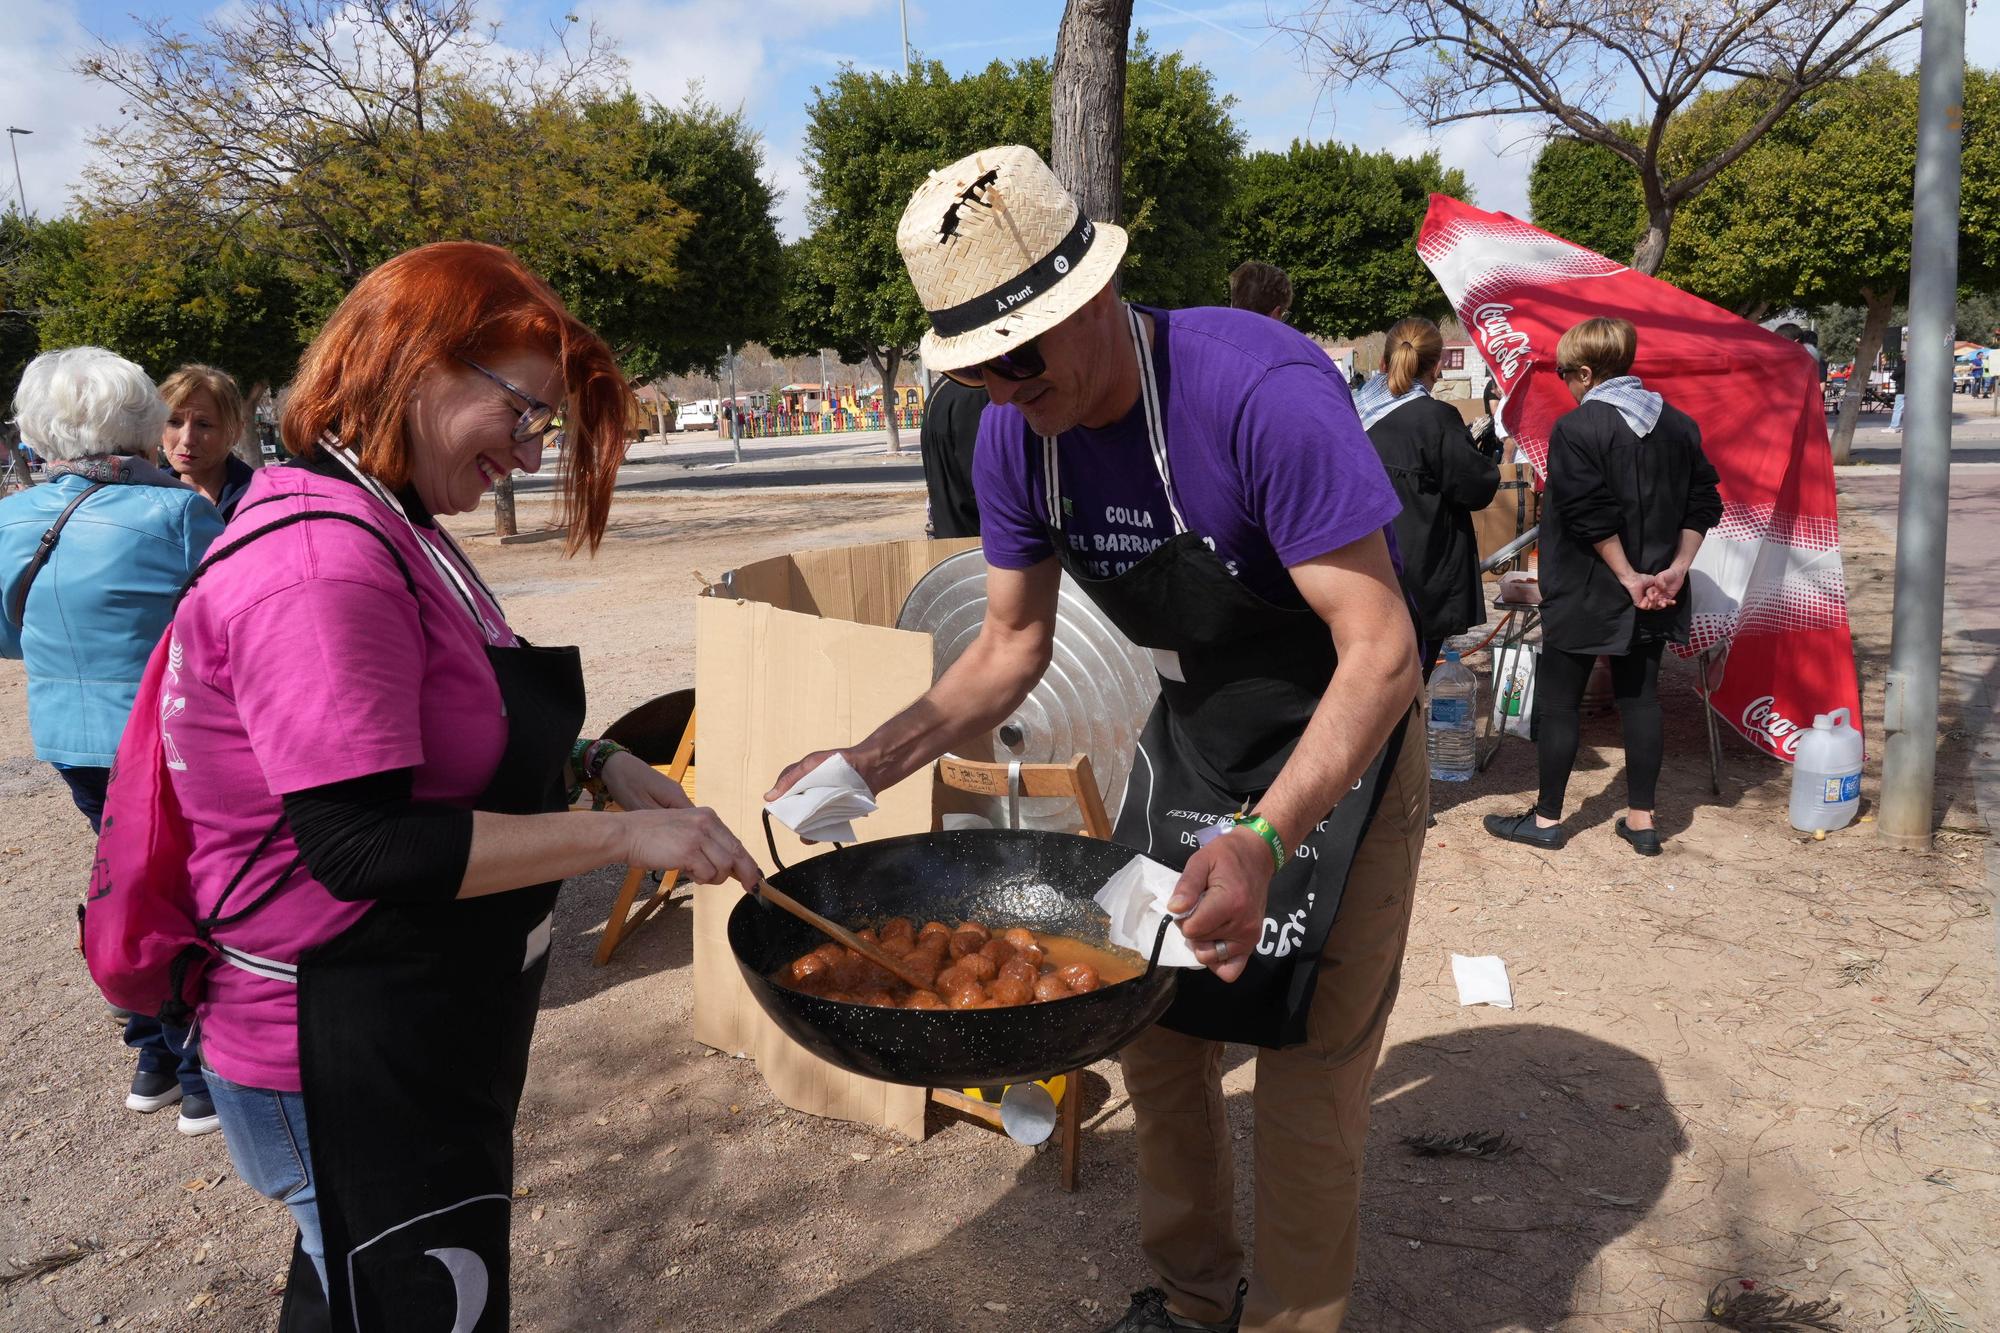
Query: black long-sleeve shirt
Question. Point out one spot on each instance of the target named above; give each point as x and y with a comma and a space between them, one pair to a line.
1442, 480
1604, 480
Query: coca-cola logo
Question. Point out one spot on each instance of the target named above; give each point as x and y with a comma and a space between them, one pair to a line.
1501, 339
1762, 715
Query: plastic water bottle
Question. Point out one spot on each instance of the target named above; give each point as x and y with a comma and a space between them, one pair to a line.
1826, 774
1453, 708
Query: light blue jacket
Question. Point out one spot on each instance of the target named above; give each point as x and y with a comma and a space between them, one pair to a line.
98, 606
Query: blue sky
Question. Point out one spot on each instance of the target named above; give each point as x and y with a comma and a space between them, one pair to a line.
766, 55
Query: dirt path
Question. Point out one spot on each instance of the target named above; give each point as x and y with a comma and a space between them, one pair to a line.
1756, 1056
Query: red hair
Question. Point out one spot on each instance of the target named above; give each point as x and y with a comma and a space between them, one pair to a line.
453, 299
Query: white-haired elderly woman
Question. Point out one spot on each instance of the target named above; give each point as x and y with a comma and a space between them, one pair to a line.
90, 564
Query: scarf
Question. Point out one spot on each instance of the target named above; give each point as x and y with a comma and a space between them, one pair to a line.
1639, 405
1374, 401
114, 470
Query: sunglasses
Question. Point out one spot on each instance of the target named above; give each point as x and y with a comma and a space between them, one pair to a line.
538, 422
1023, 363
1564, 372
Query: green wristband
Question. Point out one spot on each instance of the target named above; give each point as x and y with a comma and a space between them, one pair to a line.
1261, 826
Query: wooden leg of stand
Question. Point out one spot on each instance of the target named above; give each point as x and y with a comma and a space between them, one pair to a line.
1069, 1126
614, 925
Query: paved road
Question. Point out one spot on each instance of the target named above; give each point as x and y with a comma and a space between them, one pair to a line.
1975, 434
702, 462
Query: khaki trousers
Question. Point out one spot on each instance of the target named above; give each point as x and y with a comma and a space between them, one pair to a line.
1311, 1105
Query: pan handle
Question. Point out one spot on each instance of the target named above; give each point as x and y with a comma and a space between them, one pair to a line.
1159, 943
772, 843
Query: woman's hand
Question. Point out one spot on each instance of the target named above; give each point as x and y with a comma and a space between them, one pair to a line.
692, 841
1642, 590
633, 784
1667, 583
1226, 883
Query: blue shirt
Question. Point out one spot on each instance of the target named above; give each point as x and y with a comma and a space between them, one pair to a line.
99, 604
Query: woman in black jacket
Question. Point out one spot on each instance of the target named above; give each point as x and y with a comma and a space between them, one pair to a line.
1440, 478
1630, 497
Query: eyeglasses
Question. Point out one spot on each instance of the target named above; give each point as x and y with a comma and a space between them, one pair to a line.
1023, 363
538, 421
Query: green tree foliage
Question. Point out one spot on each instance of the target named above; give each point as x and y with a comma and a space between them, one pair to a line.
871, 139
1343, 225
728, 283
1584, 192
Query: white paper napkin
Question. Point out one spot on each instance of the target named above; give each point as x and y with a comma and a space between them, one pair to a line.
1482, 981
1136, 899
824, 804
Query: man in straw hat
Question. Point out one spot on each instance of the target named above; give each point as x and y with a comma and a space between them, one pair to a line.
1203, 476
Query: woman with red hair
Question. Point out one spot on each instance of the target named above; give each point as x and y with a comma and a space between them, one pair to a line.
376, 773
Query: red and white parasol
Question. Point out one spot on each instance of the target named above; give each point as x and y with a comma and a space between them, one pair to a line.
1768, 582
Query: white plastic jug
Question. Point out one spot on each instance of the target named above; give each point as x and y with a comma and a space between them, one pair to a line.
1826, 774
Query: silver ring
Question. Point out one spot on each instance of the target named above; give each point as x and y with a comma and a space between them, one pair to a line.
1222, 951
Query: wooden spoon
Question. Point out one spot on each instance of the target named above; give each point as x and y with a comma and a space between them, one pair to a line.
841, 934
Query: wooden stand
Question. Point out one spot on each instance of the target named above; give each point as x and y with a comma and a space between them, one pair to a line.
623, 920
1012, 782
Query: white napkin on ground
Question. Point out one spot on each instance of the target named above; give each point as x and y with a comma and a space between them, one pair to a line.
1482, 981
1136, 899
824, 804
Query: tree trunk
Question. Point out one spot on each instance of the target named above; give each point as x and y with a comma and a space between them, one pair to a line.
503, 506
1652, 247
1087, 105
249, 444
1880, 306
886, 362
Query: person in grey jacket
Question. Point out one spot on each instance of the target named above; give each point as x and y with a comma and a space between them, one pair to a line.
84, 616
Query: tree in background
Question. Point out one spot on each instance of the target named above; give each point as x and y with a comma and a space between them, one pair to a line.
1566, 62
1343, 225
329, 135
1819, 212
728, 285
871, 139
1584, 192
1087, 105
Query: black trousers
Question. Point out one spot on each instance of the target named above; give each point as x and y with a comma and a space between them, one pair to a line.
1560, 679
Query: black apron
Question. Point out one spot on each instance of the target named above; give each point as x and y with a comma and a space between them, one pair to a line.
414, 1026
1239, 679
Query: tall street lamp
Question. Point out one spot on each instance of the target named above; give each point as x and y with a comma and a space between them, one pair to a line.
11, 146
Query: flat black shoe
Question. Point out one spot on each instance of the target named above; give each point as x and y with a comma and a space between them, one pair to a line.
1148, 1314
1523, 829
1645, 841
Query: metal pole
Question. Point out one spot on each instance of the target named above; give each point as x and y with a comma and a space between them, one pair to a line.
825, 398
903, 8
1910, 702
735, 413
13, 146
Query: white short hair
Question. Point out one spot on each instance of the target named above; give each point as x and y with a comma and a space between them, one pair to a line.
84, 401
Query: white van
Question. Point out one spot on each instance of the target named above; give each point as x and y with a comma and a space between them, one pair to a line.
698, 414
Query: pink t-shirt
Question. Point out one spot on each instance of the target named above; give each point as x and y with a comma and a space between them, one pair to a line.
302, 660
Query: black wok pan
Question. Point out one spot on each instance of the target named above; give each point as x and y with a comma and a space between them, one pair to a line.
1002, 877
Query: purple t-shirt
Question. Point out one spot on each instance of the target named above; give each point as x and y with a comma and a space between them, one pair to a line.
1269, 461
298, 662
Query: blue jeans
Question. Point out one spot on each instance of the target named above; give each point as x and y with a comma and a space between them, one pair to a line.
162, 1050
266, 1134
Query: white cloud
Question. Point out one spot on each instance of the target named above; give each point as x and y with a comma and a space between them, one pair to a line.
1494, 154
39, 91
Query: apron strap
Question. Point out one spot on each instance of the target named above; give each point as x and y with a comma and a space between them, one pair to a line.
447, 569
1156, 432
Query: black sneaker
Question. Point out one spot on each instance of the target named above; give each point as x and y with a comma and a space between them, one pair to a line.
1645, 841
1524, 829
152, 1090
198, 1115
1149, 1314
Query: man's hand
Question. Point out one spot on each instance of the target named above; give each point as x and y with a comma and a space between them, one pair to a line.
1227, 884
1642, 589
1667, 583
634, 784
790, 777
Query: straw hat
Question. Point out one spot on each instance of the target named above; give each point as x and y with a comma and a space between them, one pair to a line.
1000, 253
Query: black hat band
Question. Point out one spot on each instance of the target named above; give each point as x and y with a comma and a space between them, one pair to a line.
992, 306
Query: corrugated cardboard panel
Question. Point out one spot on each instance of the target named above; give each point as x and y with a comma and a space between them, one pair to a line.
773, 686
867, 584
1514, 510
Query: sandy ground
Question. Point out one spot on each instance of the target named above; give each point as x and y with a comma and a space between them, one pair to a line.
1757, 1056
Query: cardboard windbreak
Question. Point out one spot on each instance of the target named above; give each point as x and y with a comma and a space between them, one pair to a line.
1515, 508
800, 655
